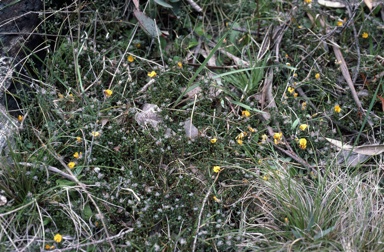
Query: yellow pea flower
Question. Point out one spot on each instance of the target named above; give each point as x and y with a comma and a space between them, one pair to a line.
77, 155
337, 108
58, 238
216, 199
291, 90
317, 76
71, 165
95, 133
216, 169
277, 137
303, 143
245, 113
303, 127
130, 58
365, 35
152, 74
213, 140
108, 92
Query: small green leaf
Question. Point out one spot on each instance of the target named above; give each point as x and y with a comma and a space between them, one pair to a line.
147, 24
247, 107
321, 234
164, 4
87, 212
63, 182
295, 123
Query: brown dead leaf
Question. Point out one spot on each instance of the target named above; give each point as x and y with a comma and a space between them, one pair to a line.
369, 150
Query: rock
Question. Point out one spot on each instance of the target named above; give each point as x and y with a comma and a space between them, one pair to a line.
190, 130
149, 115
18, 19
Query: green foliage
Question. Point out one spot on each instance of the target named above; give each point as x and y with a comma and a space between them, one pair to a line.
138, 187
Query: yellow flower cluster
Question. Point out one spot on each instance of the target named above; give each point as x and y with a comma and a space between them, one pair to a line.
277, 137
239, 138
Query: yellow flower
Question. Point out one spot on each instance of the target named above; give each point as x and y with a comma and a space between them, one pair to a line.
138, 45
58, 238
277, 137
49, 247
241, 135
295, 75
252, 130
61, 96
213, 140
152, 74
131, 58
20, 118
95, 133
71, 165
303, 105
245, 113
303, 127
339, 23
317, 76
288, 64
77, 155
266, 177
307, 1
108, 92
337, 108
264, 138
286, 220
295, 95
303, 143
216, 199
216, 169
291, 90
365, 35
239, 141
179, 64
78, 139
